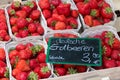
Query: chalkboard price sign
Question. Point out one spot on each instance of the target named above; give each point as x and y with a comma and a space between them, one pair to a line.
78, 51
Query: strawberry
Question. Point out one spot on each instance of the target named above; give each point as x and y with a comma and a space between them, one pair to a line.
2, 11
69, 66
23, 33
81, 68
33, 63
72, 71
46, 13
55, 2
109, 63
58, 65
88, 20
116, 44
23, 54
13, 53
14, 29
103, 4
60, 71
3, 33
15, 72
22, 76
58, 17
15, 5
93, 4
7, 38
74, 13
4, 79
22, 65
94, 13
11, 11
73, 23
96, 22
21, 23
41, 58
40, 29
20, 47
13, 20
35, 14
107, 51
45, 72
115, 54
31, 4
44, 4
27, 9
29, 20
2, 64
21, 14
64, 9
4, 72
76, 1
32, 28
118, 63
2, 54
3, 26
106, 20
60, 26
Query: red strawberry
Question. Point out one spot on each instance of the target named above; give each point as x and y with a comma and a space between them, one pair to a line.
57, 35
29, 44
2, 64
51, 22
88, 20
15, 72
55, 2
3, 26
106, 20
21, 23
23, 33
60, 71
33, 63
40, 29
20, 47
103, 4
118, 63
41, 58
57, 17
35, 14
93, 4
4, 79
15, 5
21, 14
31, 4
2, 54
60, 26
81, 68
14, 29
46, 13
109, 63
64, 9
13, 20
116, 44
3, 33
7, 38
107, 51
32, 28
68, 66
22, 65
96, 22
73, 23
74, 13
27, 9
22, 76
23, 54
94, 13
2, 11
13, 53
45, 72
76, 1
115, 54
29, 20
72, 71
58, 65
4, 72
44, 4
11, 11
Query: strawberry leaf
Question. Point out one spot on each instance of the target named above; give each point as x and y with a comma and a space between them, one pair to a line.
32, 76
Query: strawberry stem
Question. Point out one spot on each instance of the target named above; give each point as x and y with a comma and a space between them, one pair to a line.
32, 76
45, 69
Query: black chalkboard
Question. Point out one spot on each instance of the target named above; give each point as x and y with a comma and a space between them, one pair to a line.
78, 51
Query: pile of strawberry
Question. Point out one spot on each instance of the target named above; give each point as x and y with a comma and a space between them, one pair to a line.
110, 50
58, 14
4, 36
62, 35
28, 62
67, 69
4, 72
95, 12
25, 19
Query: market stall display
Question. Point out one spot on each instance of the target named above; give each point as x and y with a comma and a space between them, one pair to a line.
29, 28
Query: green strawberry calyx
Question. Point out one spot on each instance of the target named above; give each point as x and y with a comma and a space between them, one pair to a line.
17, 4
73, 25
30, 4
7, 73
45, 69
12, 11
72, 71
36, 49
32, 76
108, 10
93, 13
